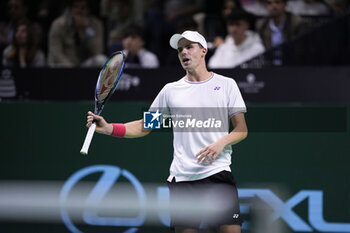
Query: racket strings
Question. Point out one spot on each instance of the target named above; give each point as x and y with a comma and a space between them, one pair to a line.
110, 76
108, 80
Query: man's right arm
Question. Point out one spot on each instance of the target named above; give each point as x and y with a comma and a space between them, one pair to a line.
133, 129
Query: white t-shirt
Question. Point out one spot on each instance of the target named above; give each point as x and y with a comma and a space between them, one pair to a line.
217, 94
229, 55
147, 59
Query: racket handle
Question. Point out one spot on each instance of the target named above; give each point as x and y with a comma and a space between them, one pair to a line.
88, 138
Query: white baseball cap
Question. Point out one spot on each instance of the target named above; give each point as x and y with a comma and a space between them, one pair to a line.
189, 35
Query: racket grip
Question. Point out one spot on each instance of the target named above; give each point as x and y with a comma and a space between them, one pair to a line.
88, 138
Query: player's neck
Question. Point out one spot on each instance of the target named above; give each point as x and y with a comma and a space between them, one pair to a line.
198, 75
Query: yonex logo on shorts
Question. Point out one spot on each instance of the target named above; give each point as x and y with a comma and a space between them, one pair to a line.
152, 120
235, 216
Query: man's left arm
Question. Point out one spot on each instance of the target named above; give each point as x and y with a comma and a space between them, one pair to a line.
239, 133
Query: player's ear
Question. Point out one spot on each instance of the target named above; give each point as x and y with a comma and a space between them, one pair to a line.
204, 52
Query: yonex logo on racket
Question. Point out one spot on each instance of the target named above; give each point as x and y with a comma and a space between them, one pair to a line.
152, 120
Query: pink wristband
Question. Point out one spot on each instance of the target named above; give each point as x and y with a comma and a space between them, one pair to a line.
119, 130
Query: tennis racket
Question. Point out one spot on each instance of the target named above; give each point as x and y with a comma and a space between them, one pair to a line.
107, 83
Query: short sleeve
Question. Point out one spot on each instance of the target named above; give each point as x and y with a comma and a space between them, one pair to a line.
235, 100
160, 102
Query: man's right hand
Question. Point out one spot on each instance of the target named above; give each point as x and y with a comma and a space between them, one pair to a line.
102, 126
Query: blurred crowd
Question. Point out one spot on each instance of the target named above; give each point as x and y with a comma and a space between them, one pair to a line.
83, 33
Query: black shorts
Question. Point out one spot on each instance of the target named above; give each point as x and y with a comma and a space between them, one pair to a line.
209, 202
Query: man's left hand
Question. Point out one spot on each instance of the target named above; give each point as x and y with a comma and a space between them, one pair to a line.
209, 153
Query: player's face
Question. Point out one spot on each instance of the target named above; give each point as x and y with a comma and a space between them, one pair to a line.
190, 54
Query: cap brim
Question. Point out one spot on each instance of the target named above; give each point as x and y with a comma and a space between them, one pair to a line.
174, 40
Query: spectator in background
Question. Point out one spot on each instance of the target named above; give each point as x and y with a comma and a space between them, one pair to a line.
280, 26
76, 38
23, 51
215, 22
47, 11
17, 12
308, 7
153, 22
338, 7
162, 19
229, 6
241, 44
175, 10
256, 7
118, 15
136, 55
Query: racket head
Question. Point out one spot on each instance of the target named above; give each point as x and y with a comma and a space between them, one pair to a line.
108, 79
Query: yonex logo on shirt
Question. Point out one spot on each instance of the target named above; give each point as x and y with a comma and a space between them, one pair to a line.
216, 88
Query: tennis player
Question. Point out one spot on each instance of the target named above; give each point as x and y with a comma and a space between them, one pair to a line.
202, 159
